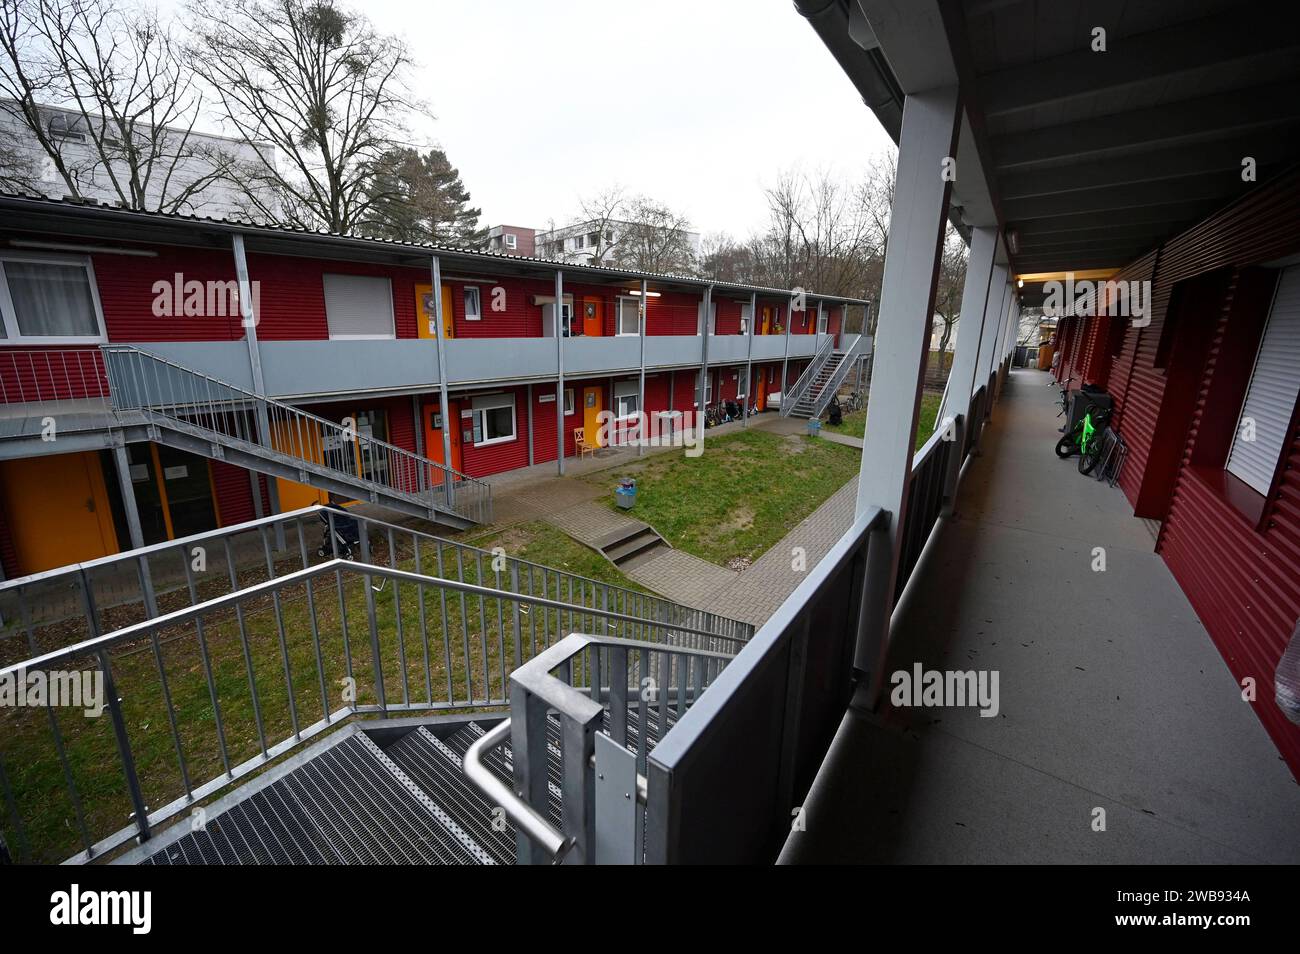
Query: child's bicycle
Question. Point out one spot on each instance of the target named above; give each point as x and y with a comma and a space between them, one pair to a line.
1084, 439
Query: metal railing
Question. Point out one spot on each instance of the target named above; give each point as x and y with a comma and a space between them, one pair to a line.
48, 375
805, 379
931, 490
832, 384
84, 600
198, 698
569, 691
180, 398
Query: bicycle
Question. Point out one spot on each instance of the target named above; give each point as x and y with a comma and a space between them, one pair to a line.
1084, 439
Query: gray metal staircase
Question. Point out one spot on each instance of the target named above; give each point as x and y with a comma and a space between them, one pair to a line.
820, 381
184, 408
355, 801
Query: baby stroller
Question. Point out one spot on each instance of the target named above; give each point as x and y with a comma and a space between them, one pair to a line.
347, 533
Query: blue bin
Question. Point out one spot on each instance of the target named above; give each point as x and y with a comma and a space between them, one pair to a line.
814, 428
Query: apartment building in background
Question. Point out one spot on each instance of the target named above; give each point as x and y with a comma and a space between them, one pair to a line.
200, 167
511, 240
593, 242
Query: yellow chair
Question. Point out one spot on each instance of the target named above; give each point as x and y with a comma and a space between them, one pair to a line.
580, 441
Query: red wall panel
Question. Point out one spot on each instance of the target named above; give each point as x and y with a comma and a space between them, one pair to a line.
127, 296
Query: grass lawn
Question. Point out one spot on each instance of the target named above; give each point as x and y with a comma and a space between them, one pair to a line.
743, 494
854, 424
461, 639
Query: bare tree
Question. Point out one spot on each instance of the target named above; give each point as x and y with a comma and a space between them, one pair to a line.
320, 85
952, 279
602, 212
724, 259
105, 96
819, 236
654, 238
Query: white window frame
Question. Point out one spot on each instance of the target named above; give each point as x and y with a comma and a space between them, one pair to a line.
744, 318
620, 301
700, 325
489, 402
392, 319
708, 388
473, 291
823, 320
13, 336
624, 389
511, 240
742, 383
569, 406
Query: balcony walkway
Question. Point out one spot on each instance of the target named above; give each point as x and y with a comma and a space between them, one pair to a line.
1112, 694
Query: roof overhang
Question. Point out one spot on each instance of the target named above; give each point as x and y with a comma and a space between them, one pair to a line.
1085, 159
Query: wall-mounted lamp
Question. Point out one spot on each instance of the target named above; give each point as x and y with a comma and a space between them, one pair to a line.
637, 292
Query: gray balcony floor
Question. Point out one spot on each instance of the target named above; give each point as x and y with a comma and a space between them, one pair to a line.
1112, 694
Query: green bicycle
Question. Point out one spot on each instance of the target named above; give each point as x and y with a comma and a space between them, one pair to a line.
1084, 439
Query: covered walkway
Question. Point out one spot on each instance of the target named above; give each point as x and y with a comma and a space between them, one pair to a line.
1111, 694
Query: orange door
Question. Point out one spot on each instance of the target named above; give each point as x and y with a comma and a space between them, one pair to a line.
425, 311
433, 434
766, 327
593, 317
760, 396
299, 439
592, 405
57, 509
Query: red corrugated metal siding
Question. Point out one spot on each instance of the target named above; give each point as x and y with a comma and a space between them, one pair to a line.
673, 313
127, 295
293, 295
520, 318
44, 374
234, 493
728, 320
1243, 583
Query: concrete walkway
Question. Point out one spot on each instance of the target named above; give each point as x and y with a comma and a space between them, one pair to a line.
1111, 695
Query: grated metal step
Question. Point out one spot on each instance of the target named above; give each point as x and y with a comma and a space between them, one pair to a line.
350, 804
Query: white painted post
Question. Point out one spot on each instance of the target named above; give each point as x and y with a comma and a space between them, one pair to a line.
444, 407
749, 360
643, 309
559, 371
970, 326
927, 145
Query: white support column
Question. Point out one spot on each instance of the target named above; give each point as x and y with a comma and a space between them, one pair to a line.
249, 318
643, 309
531, 456
927, 144
785, 361
444, 405
993, 312
749, 360
970, 326
702, 388
559, 371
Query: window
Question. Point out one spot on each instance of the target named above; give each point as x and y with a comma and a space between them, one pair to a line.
742, 383
1271, 398
51, 299
744, 319
821, 321
473, 311
548, 316
713, 318
358, 306
511, 241
627, 400
494, 419
629, 316
708, 389
568, 401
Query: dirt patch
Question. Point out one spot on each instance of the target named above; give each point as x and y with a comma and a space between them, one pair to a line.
793, 444
741, 518
739, 563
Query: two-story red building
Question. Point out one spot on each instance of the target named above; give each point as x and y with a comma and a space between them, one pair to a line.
110, 315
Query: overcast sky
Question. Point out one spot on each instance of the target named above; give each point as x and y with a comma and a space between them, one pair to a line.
699, 103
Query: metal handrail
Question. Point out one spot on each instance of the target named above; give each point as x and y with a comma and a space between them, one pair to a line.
221, 624
536, 693
521, 814
194, 401
805, 379
837, 377
141, 565
45, 375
